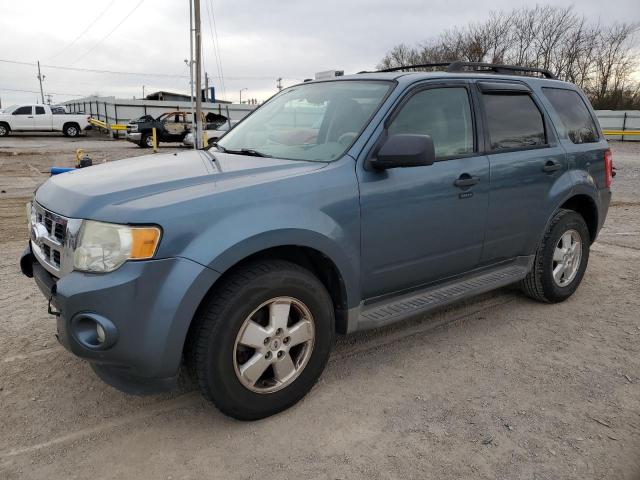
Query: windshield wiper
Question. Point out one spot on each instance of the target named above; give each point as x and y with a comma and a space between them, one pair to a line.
219, 147
247, 151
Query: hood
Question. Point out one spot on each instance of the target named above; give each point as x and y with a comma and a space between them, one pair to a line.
84, 193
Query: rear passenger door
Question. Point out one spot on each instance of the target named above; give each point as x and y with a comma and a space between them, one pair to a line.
526, 161
42, 120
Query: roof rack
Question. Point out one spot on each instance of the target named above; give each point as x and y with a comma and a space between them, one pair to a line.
462, 67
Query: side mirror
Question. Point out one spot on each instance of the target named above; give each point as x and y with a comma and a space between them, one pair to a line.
405, 150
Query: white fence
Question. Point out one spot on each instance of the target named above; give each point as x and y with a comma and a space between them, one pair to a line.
120, 110
620, 120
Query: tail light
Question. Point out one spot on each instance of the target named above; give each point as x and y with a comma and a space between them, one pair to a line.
608, 168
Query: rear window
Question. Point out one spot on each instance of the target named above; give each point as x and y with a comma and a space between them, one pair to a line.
514, 121
576, 122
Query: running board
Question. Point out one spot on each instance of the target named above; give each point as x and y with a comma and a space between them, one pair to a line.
389, 311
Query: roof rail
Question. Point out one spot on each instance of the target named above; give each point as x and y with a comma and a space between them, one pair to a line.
497, 68
462, 67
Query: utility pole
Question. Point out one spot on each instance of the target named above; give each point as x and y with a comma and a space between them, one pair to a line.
206, 87
41, 78
279, 85
143, 97
190, 64
196, 20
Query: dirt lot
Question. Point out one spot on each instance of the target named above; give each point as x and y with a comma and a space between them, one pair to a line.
499, 387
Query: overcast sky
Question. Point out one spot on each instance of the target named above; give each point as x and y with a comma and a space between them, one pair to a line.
259, 40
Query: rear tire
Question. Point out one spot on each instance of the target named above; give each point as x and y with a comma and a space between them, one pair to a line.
561, 259
71, 130
290, 357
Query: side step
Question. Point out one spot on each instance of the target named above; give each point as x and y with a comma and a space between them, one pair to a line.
389, 311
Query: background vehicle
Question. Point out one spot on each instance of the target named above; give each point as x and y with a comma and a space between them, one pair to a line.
336, 206
40, 118
170, 127
213, 134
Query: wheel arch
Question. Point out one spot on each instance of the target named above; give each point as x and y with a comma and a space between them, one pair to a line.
71, 123
6, 124
586, 207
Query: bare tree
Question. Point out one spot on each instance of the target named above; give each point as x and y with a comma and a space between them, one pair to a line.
599, 59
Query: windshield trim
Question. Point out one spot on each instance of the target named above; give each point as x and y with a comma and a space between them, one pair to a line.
392, 86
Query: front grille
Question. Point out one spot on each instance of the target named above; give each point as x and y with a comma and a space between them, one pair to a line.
52, 249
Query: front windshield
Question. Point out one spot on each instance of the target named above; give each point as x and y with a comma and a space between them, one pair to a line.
314, 121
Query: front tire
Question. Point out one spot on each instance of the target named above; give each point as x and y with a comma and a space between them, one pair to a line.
4, 130
146, 141
262, 340
561, 259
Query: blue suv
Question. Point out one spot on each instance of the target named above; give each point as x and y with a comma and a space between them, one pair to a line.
336, 206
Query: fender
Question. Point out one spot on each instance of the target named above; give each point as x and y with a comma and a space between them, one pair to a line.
242, 234
582, 184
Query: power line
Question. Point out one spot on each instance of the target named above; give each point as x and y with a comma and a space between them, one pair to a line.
216, 45
37, 91
140, 74
85, 30
108, 34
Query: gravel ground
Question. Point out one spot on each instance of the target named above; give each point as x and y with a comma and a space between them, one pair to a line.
498, 387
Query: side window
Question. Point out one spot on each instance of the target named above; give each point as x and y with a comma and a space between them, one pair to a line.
576, 122
23, 111
39, 110
442, 113
513, 121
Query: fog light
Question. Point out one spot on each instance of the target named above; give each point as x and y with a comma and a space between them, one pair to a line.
101, 334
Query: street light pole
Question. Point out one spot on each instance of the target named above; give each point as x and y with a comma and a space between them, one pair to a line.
242, 90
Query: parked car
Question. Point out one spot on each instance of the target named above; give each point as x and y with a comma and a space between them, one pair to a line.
59, 110
416, 189
170, 127
40, 118
214, 133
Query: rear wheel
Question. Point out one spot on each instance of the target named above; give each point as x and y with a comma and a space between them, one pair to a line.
263, 339
71, 130
561, 259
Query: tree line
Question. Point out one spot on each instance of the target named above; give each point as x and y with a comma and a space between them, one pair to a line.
601, 59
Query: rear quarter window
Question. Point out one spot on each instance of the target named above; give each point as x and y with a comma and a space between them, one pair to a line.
576, 123
514, 121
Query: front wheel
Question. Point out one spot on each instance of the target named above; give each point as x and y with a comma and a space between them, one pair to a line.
561, 259
263, 339
4, 130
146, 141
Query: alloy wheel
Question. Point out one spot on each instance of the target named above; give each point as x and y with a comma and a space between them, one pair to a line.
566, 258
274, 345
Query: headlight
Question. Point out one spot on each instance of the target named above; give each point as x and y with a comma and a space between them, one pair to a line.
103, 247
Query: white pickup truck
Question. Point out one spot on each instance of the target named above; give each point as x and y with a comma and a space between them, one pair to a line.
39, 118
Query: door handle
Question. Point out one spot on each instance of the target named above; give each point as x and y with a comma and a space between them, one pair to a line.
551, 166
465, 181
29, 117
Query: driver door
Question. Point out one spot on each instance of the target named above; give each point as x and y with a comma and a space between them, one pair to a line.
22, 118
420, 224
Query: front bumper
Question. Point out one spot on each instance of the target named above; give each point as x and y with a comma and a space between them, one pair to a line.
134, 136
149, 304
